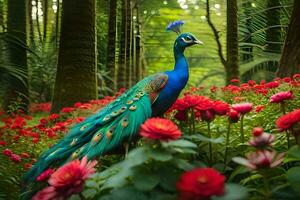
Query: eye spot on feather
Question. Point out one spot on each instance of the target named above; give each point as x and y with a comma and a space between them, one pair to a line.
83, 127
115, 113
122, 109
133, 107
73, 142
109, 134
135, 99
124, 122
74, 155
97, 137
129, 102
106, 118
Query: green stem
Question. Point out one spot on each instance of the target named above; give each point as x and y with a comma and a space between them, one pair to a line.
193, 121
209, 144
266, 185
286, 133
242, 129
226, 145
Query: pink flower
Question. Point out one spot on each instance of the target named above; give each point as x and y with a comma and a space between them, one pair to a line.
67, 110
281, 97
7, 152
261, 139
261, 159
45, 175
242, 108
67, 180
16, 158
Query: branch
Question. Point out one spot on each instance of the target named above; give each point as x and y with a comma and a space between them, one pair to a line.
216, 34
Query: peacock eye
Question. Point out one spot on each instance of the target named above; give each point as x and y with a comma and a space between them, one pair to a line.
188, 38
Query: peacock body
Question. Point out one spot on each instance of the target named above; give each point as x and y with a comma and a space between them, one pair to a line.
120, 120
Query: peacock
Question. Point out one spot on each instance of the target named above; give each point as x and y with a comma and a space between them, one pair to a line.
120, 120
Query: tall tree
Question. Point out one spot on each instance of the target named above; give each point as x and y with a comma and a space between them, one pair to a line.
111, 45
76, 70
17, 90
232, 62
121, 78
290, 57
128, 43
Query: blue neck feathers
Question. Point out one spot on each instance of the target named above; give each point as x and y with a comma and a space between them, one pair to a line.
181, 70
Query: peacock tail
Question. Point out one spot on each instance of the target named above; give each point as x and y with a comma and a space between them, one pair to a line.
98, 134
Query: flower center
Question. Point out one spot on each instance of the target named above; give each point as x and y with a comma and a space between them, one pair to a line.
67, 176
202, 179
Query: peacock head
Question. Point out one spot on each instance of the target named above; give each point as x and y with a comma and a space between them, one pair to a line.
186, 39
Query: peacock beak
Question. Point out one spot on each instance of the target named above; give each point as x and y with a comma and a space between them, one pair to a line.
198, 42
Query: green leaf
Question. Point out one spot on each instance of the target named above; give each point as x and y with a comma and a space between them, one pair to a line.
293, 177
233, 192
89, 193
118, 180
160, 155
143, 179
182, 143
293, 154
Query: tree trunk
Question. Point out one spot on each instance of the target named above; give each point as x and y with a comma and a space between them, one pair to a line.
121, 79
76, 70
17, 91
111, 45
128, 42
138, 60
232, 61
1, 17
290, 57
31, 25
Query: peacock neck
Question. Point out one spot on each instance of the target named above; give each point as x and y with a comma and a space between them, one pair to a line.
180, 60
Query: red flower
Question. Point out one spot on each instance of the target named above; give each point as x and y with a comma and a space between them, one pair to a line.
181, 115
257, 131
2, 143
160, 129
207, 115
27, 166
242, 108
213, 89
18, 123
205, 104
259, 108
235, 80
7, 152
67, 180
67, 110
281, 97
220, 107
79, 119
296, 76
288, 120
35, 140
43, 121
25, 155
45, 175
53, 117
200, 184
16, 158
233, 116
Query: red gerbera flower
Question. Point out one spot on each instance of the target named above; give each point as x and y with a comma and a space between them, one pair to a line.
288, 120
160, 129
281, 96
45, 175
220, 107
67, 180
200, 184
